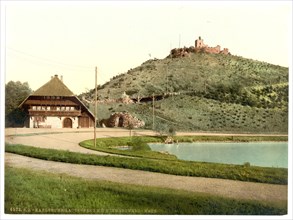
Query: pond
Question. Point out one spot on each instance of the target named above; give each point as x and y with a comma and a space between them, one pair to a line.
265, 154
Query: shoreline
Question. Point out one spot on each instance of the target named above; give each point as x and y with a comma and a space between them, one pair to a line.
42, 131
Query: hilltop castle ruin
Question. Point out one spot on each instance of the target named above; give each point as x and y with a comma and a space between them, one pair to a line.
199, 47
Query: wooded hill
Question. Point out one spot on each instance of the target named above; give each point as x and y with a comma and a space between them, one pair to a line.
205, 92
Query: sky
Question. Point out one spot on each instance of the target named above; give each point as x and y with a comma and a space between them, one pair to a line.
70, 38
42, 39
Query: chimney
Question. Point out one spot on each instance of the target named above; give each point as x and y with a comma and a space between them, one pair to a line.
61, 77
56, 76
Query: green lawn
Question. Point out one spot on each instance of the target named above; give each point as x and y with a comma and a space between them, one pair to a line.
175, 167
139, 147
31, 192
108, 144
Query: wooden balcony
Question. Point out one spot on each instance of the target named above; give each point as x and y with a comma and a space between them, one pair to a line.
69, 113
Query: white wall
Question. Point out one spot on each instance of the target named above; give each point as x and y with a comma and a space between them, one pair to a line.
31, 123
54, 122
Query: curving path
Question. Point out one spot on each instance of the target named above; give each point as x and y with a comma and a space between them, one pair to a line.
69, 139
63, 139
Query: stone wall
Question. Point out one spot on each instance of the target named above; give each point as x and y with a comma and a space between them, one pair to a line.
122, 119
225, 51
215, 50
200, 47
181, 52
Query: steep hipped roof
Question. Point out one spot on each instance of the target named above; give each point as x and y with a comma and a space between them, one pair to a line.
55, 87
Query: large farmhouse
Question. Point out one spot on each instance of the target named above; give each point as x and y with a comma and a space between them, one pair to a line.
54, 106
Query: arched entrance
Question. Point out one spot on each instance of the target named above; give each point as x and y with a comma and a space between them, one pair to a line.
67, 123
120, 122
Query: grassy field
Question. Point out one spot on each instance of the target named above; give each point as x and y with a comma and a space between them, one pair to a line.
187, 113
139, 147
31, 192
243, 172
214, 92
204, 74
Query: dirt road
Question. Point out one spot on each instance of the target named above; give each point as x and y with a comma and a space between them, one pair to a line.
61, 139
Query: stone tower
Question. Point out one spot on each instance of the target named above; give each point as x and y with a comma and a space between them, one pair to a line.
199, 43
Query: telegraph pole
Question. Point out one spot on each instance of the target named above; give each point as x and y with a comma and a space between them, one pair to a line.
167, 78
96, 95
153, 112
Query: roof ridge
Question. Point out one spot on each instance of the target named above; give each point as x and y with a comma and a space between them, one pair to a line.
54, 87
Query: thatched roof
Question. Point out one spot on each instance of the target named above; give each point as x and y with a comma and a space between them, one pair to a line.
55, 87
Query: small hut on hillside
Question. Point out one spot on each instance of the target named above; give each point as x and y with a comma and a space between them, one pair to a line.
54, 106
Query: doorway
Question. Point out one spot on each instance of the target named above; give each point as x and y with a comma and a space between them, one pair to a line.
67, 123
120, 122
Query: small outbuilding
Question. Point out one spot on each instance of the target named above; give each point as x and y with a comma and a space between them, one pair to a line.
54, 106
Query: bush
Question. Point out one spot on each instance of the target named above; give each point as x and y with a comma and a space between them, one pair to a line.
137, 144
246, 164
172, 131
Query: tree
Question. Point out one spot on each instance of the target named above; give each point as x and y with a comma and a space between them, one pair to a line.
172, 131
15, 93
130, 127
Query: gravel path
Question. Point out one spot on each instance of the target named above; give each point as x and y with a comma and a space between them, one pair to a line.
226, 188
63, 139
68, 139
